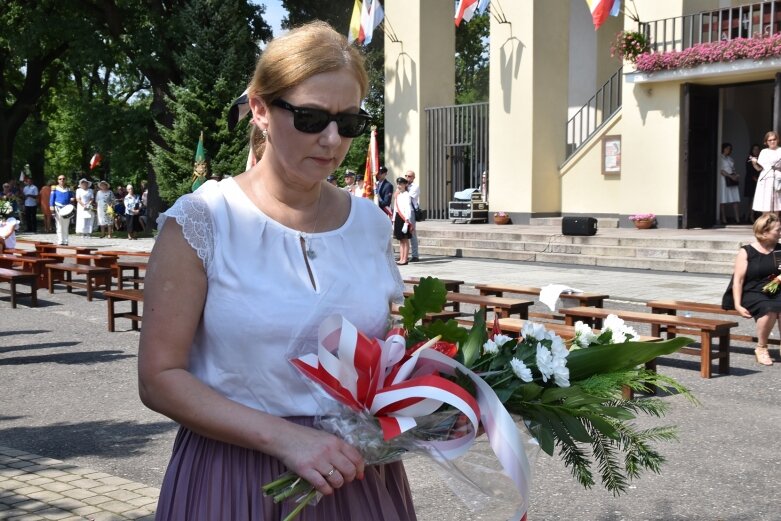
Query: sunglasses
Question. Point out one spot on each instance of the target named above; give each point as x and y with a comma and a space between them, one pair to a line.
313, 121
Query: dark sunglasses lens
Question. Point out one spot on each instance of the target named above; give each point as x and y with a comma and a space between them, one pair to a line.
351, 125
310, 120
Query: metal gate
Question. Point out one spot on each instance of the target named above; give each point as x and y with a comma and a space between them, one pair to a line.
457, 146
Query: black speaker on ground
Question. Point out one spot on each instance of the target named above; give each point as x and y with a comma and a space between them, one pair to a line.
578, 226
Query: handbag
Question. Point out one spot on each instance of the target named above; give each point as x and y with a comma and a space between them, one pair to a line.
419, 215
727, 300
731, 181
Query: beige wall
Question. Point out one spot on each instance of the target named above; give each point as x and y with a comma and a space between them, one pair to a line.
419, 73
528, 106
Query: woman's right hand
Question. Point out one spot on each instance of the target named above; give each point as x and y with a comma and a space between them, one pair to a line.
312, 454
743, 311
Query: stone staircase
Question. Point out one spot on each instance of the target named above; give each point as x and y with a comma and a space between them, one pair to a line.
692, 251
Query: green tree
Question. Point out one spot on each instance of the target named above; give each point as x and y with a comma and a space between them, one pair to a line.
472, 60
215, 65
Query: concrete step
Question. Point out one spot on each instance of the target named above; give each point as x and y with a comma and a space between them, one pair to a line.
677, 262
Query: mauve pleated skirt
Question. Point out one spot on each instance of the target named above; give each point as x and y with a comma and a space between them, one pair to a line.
209, 480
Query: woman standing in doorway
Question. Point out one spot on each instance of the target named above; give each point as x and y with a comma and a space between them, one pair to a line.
730, 185
767, 198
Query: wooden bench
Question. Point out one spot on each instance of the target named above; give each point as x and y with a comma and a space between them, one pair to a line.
706, 328
95, 277
31, 264
450, 284
581, 298
14, 277
120, 295
503, 307
671, 307
120, 267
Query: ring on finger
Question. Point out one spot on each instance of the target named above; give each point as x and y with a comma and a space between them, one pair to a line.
330, 473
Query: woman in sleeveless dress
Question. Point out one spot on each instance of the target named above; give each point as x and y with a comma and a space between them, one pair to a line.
766, 197
242, 274
756, 265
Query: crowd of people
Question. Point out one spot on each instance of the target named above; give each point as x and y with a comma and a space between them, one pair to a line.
87, 208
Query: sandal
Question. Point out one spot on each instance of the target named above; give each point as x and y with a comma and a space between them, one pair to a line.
763, 355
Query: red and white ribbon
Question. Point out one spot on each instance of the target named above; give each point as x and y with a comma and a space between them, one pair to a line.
372, 375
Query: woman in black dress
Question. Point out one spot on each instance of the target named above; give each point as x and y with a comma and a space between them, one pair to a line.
756, 265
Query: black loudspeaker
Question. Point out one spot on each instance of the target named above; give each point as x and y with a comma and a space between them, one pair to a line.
578, 226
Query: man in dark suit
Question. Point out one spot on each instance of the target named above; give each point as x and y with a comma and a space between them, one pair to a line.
384, 191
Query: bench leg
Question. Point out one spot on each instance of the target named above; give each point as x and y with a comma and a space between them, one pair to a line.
34, 292
90, 282
12, 282
134, 311
724, 354
110, 304
51, 281
68, 281
705, 352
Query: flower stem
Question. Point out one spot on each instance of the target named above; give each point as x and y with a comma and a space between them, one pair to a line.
301, 504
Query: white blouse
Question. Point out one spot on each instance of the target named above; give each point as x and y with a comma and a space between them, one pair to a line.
261, 307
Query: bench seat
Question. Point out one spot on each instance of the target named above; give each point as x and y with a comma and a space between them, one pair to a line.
94, 277
14, 277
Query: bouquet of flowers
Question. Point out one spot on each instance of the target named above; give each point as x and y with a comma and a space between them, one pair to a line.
426, 379
771, 288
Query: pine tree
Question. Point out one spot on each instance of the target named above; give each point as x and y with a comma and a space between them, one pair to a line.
216, 67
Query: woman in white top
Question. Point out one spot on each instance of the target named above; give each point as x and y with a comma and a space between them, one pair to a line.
403, 222
730, 185
105, 200
84, 216
767, 198
240, 278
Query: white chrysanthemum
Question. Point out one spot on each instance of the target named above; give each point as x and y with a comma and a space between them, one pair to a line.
521, 371
544, 361
490, 347
560, 371
500, 340
584, 336
630, 333
613, 323
617, 336
558, 348
533, 330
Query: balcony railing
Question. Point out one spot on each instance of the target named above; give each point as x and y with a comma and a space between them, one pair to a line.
595, 113
758, 19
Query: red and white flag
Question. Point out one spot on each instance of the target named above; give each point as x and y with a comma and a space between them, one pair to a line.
372, 165
601, 9
465, 10
375, 16
355, 23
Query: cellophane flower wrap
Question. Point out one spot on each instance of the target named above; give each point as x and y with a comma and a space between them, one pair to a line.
432, 383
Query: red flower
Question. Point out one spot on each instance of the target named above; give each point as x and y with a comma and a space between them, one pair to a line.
446, 348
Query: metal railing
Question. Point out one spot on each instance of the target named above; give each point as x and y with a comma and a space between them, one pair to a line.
758, 19
457, 150
594, 114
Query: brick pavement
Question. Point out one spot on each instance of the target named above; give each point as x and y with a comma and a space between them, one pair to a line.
36, 488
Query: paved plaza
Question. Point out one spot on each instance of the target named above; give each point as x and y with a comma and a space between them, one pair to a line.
77, 444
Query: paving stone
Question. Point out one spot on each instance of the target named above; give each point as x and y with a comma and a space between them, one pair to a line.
12, 452
9, 472
122, 495
51, 473
106, 516
78, 493
97, 475
12, 484
79, 471
15, 498
148, 491
27, 490
27, 517
31, 505
23, 477
45, 495
96, 500
56, 486
46, 461
103, 489
8, 514
68, 478
116, 506
67, 503
137, 514
35, 468
143, 500
53, 513
86, 510
114, 480
38, 481
20, 464
86, 483
132, 486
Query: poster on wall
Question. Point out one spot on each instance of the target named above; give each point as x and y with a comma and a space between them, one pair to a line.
611, 155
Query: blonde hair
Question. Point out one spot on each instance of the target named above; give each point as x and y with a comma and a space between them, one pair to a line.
770, 134
763, 224
296, 56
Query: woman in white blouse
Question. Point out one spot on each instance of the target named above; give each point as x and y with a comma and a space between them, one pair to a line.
84, 214
403, 222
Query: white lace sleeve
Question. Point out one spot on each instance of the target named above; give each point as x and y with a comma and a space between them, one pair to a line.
398, 294
192, 214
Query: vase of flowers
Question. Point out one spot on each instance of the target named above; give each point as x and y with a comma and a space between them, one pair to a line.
643, 221
628, 45
501, 218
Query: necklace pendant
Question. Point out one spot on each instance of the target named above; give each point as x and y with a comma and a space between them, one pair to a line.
310, 252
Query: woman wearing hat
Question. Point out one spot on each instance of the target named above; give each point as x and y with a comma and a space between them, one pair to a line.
105, 200
61, 204
84, 216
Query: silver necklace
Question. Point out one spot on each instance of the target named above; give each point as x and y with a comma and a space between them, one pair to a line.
310, 252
